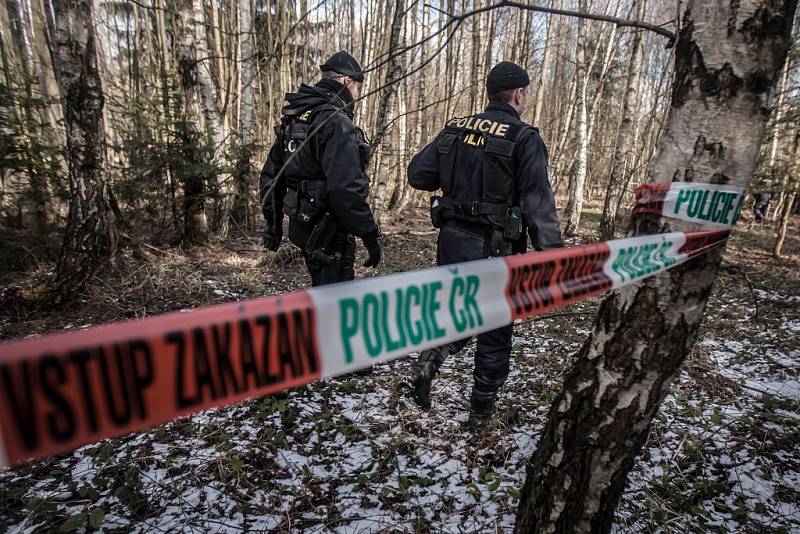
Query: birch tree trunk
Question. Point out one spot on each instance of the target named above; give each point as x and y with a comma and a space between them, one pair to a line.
52, 115
488, 56
593, 110
625, 135
195, 227
728, 57
88, 237
776, 134
537, 113
420, 130
572, 213
789, 192
213, 118
777, 127
475, 66
205, 82
246, 89
393, 72
39, 192
783, 227
219, 58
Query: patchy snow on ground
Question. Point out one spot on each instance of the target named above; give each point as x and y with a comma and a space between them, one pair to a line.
354, 454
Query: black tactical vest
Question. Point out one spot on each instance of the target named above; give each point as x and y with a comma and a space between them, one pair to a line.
296, 131
496, 142
306, 197
300, 150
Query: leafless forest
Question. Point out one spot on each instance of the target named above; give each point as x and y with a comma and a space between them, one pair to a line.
192, 91
132, 134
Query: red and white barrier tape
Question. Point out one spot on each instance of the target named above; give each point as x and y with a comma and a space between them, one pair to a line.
64, 390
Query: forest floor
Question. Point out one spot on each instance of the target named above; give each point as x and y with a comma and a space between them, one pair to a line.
355, 455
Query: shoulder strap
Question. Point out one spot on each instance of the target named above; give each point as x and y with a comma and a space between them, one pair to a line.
446, 151
280, 138
292, 119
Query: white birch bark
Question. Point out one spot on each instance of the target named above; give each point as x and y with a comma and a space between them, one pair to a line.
540, 84
625, 139
205, 82
727, 62
89, 235
572, 214
246, 86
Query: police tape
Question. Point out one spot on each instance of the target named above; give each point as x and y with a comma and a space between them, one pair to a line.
65, 390
712, 205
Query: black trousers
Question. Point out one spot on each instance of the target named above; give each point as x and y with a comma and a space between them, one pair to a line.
493, 354
342, 252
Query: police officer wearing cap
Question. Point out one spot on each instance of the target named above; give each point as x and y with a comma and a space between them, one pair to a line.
492, 171
315, 174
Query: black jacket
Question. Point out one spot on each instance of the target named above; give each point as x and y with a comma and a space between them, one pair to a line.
338, 153
533, 191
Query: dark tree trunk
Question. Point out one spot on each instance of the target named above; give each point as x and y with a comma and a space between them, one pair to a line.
728, 58
89, 235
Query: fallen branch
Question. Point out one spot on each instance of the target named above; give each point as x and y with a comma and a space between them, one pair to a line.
564, 314
409, 232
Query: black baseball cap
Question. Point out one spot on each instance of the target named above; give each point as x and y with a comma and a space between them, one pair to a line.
345, 64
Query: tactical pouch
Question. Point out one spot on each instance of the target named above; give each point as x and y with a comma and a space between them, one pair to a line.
321, 239
497, 245
311, 201
437, 215
512, 226
447, 160
290, 203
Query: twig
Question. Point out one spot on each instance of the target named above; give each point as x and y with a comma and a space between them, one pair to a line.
409, 232
564, 314
735, 269
142, 243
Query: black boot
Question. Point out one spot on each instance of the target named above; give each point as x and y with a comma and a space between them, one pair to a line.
426, 368
361, 373
481, 410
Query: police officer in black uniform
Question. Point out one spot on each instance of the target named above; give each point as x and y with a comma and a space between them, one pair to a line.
492, 171
315, 174
760, 207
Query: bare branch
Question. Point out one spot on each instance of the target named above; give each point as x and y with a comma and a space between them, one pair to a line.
569, 13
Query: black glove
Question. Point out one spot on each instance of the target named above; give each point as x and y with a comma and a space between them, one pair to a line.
272, 239
373, 249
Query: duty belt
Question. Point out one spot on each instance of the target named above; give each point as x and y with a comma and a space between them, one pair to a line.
475, 208
296, 182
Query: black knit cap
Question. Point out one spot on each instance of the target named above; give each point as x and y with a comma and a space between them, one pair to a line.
344, 63
506, 75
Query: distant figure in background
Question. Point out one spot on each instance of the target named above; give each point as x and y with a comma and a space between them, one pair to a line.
760, 207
